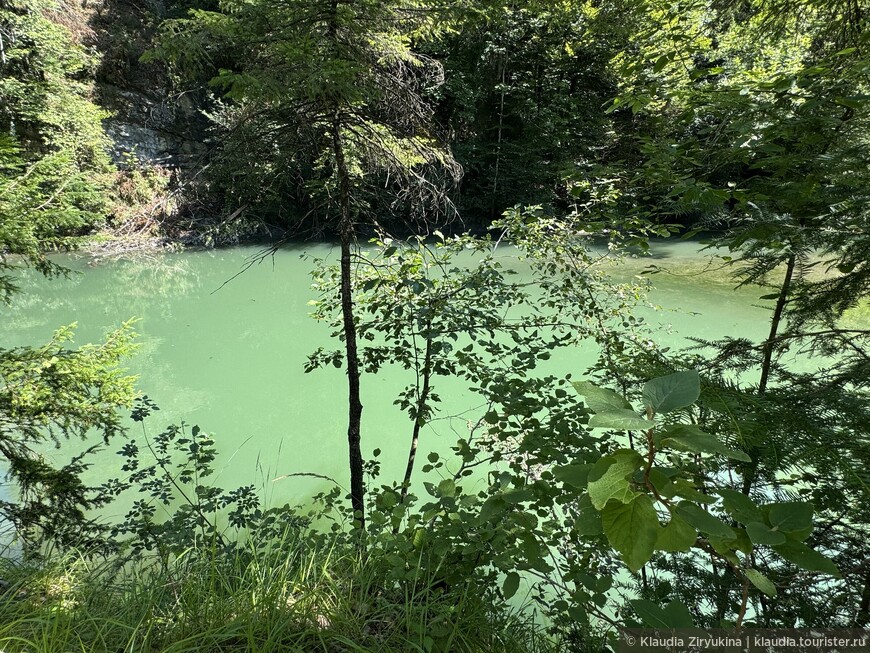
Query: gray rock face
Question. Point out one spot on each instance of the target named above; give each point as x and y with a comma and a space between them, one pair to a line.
157, 132
149, 121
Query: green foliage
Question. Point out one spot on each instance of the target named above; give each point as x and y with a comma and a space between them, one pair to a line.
345, 67
625, 487
297, 592
43, 206
726, 483
524, 87
661, 488
47, 395
750, 119
44, 93
54, 167
193, 562
54, 176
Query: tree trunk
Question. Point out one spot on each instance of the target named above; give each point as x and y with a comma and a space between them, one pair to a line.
767, 352
354, 404
422, 398
770, 343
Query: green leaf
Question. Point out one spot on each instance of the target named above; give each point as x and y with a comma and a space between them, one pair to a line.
688, 437
518, 495
791, 517
740, 506
626, 420
609, 478
661, 478
650, 613
804, 557
511, 585
682, 487
676, 536
660, 63
742, 543
673, 391
632, 529
678, 615
600, 400
587, 523
421, 536
447, 488
761, 534
761, 581
704, 521
574, 475
494, 506
852, 101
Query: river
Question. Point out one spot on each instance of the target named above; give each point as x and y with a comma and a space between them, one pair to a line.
229, 356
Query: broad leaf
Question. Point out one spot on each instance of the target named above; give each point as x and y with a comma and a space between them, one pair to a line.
688, 437
662, 478
626, 420
651, 614
684, 488
632, 529
511, 584
740, 506
704, 521
587, 522
447, 487
804, 557
678, 535
600, 400
673, 391
761, 581
573, 475
613, 483
761, 534
795, 517
678, 615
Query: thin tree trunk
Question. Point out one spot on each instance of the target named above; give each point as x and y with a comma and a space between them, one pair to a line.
500, 129
768, 351
770, 344
354, 404
418, 423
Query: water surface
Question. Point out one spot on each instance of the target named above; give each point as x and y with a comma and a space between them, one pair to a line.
229, 356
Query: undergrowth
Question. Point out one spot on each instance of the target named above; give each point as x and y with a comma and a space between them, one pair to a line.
296, 593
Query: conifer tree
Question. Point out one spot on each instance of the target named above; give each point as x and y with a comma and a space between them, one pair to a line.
333, 86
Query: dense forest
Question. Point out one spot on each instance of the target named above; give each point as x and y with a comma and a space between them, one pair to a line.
723, 485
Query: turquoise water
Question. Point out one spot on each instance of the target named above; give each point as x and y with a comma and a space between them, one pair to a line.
228, 353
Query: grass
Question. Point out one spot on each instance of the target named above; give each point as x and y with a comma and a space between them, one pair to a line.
295, 594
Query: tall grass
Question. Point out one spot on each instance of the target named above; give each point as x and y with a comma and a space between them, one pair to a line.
292, 594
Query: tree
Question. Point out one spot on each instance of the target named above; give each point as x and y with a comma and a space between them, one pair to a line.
525, 82
54, 176
768, 147
51, 393
49, 123
335, 86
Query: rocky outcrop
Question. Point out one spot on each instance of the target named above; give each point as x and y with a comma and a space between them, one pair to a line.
149, 121
156, 130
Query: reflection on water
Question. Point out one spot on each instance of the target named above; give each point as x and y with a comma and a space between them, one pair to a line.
229, 356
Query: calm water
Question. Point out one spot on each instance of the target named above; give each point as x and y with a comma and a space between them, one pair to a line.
229, 357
